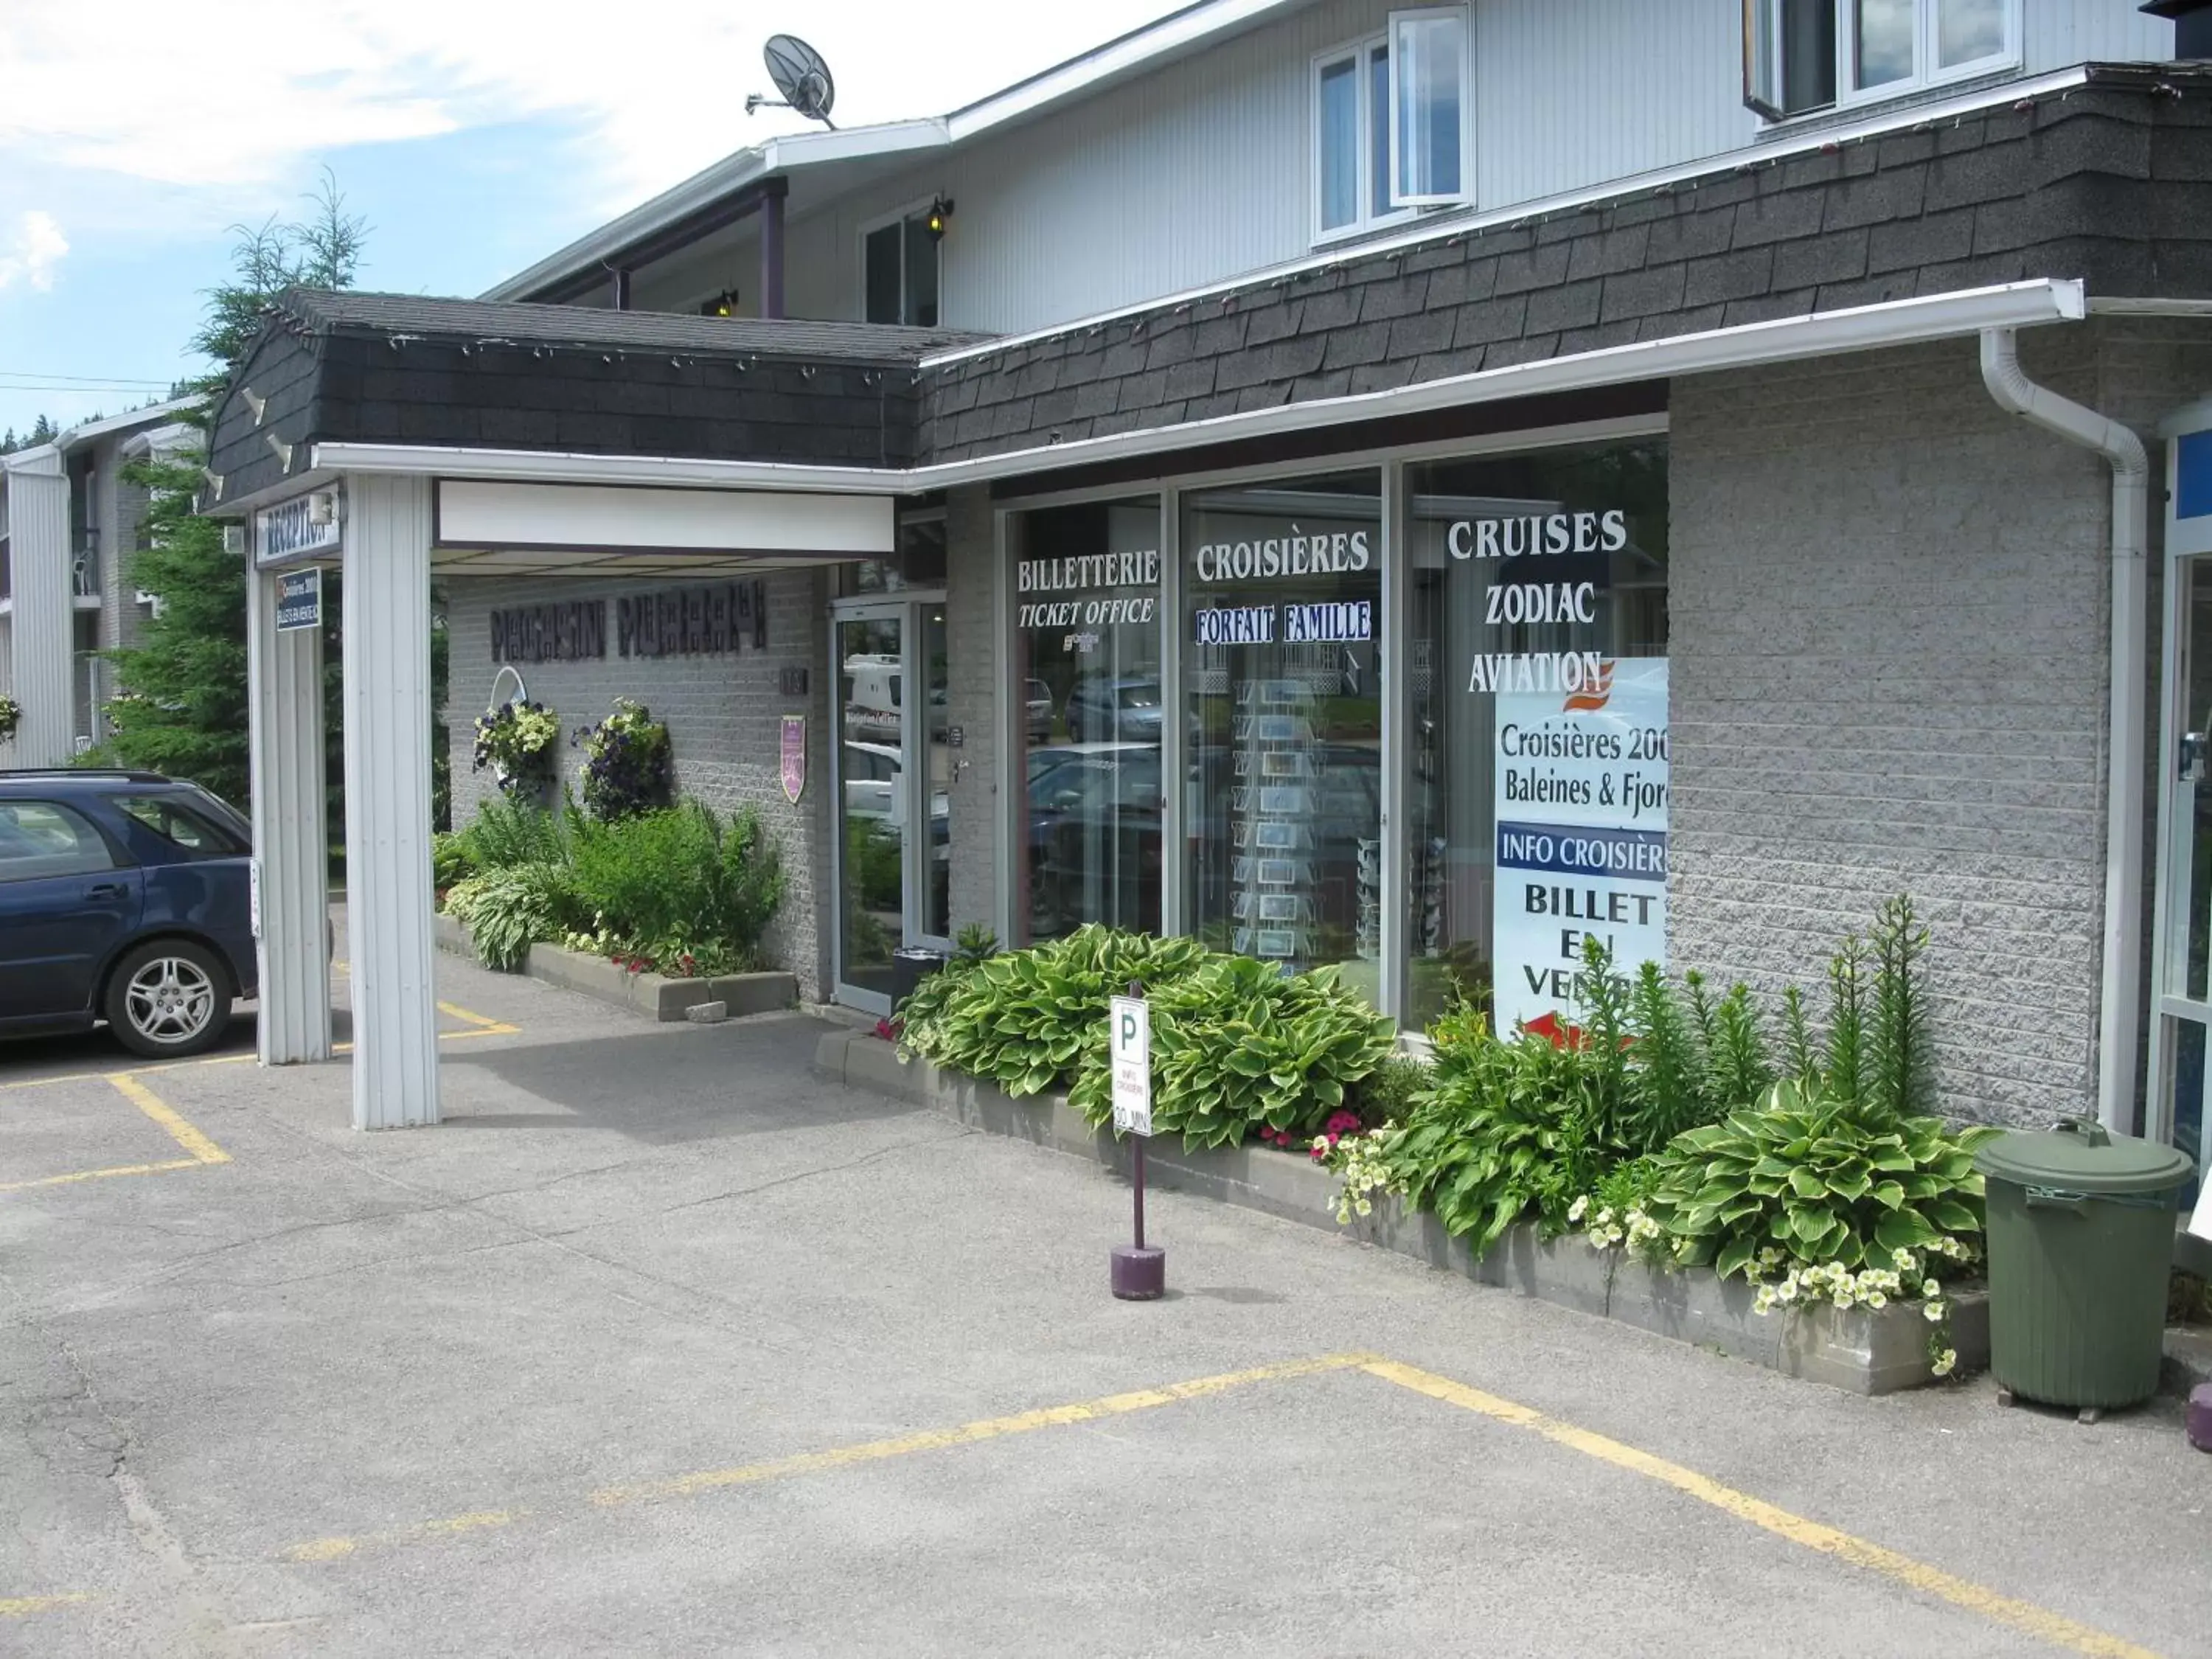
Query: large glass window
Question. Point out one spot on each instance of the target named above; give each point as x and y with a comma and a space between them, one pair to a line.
899, 281
1089, 705
1282, 701
1793, 48
1538, 743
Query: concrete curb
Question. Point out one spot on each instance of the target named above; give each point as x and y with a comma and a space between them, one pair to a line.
652, 994
1864, 1350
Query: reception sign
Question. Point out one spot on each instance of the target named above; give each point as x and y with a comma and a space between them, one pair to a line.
1581, 779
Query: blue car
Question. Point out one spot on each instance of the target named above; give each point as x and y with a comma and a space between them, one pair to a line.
125, 897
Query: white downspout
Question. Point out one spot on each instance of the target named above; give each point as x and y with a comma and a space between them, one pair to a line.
2123, 806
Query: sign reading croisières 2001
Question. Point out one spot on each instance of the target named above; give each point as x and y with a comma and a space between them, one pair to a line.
1580, 783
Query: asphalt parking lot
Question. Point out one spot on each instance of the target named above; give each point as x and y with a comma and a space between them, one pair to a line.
660, 1345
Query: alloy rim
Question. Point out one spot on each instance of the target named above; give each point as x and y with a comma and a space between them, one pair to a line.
170, 999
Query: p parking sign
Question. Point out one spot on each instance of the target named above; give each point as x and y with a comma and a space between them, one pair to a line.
1131, 1051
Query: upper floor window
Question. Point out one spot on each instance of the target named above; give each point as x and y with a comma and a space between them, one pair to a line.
899, 257
1391, 122
1801, 55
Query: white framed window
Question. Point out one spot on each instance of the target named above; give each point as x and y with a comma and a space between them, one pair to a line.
1804, 55
900, 270
1392, 122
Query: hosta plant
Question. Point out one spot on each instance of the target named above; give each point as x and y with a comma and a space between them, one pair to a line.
1807, 1180
1238, 1044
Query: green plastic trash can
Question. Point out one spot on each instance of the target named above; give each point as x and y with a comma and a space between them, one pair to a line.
2080, 1245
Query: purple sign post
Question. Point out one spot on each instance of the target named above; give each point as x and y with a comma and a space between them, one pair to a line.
794, 757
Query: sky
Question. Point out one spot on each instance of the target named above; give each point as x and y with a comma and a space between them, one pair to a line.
475, 137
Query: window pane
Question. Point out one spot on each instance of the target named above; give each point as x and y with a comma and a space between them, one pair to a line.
1428, 56
1576, 540
883, 274
1339, 139
936, 670
1884, 48
1966, 30
183, 825
1378, 130
1282, 699
921, 274
40, 841
1087, 665
1809, 54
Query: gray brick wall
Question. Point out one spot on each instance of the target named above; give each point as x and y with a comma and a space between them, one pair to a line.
1889, 607
974, 696
724, 722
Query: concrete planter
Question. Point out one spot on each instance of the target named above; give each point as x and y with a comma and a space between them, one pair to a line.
1862, 1350
654, 994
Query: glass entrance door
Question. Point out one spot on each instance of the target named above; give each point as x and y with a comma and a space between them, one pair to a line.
874, 796
2181, 948
895, 766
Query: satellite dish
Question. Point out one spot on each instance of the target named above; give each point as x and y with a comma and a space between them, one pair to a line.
801, 76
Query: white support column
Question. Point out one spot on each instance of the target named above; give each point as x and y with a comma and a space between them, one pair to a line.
387, 602
44, 626
291, 846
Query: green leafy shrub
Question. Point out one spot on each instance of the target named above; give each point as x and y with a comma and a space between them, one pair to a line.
1239, 1045
451, 860
507, 832
678, 882
1386, 1094
509, 909
1807, 1178
1024, 1019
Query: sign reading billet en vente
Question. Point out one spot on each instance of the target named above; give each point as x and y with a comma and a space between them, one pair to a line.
720, 617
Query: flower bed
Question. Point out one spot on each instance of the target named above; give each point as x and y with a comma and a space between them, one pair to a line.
1685, 1131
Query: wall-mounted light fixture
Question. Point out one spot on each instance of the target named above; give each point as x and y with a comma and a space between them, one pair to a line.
724, 304
940, 211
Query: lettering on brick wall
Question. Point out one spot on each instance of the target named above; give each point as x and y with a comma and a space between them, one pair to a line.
566, 632
721, 616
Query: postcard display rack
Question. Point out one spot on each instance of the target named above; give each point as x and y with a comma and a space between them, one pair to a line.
1282, 793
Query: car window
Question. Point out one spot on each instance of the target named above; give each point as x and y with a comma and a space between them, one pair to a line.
42, 839
182, 823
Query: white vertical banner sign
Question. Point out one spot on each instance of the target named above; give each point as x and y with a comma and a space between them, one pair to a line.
1132, 1054
1581, 778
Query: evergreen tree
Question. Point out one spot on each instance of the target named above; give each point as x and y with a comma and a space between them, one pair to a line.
42, 431
183, 708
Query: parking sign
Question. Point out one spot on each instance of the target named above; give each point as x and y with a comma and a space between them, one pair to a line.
1131, 1053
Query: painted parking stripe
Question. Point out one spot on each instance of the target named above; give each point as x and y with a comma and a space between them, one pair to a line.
690, 1485
22, 1607
199, 1148
2026, 1617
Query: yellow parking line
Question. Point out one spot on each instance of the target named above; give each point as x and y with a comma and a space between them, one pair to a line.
21, 1607
2026, 1617
203, 1150
99, 1175
688, 1485
485, 1026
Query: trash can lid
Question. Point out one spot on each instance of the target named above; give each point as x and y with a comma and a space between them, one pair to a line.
2080, 1155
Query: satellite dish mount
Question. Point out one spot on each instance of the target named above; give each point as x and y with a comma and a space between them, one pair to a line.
801, 76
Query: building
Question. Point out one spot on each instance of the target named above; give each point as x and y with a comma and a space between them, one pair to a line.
1403, 489
69, 523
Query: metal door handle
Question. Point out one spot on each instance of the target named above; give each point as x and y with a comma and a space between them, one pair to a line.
105, 889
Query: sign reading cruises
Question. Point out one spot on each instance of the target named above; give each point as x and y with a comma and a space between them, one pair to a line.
1581, 778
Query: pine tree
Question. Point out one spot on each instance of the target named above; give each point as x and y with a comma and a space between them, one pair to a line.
183, 710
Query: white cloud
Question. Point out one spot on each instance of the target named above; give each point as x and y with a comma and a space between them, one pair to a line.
30, 254
242, 93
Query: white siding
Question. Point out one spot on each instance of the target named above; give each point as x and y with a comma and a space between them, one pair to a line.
1202, 171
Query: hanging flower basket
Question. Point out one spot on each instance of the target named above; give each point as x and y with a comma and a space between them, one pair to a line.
11, 715
628, 766
515, 741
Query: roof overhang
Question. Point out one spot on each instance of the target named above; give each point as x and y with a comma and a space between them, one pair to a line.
1818, 334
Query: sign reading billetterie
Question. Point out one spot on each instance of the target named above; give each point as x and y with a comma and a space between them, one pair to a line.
1581, 834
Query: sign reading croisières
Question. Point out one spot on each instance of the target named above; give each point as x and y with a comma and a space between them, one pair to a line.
299, 600
1581, 779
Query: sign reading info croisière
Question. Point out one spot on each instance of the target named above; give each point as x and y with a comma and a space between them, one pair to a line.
1581, 779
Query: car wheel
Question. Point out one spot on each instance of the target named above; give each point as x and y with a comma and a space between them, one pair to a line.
167, 998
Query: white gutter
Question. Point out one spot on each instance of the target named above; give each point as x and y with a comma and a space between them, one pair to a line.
2124, 808
1860, 328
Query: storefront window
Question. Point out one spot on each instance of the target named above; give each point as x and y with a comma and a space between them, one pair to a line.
1538, 763
1282, 697
919, 560
1088, 703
